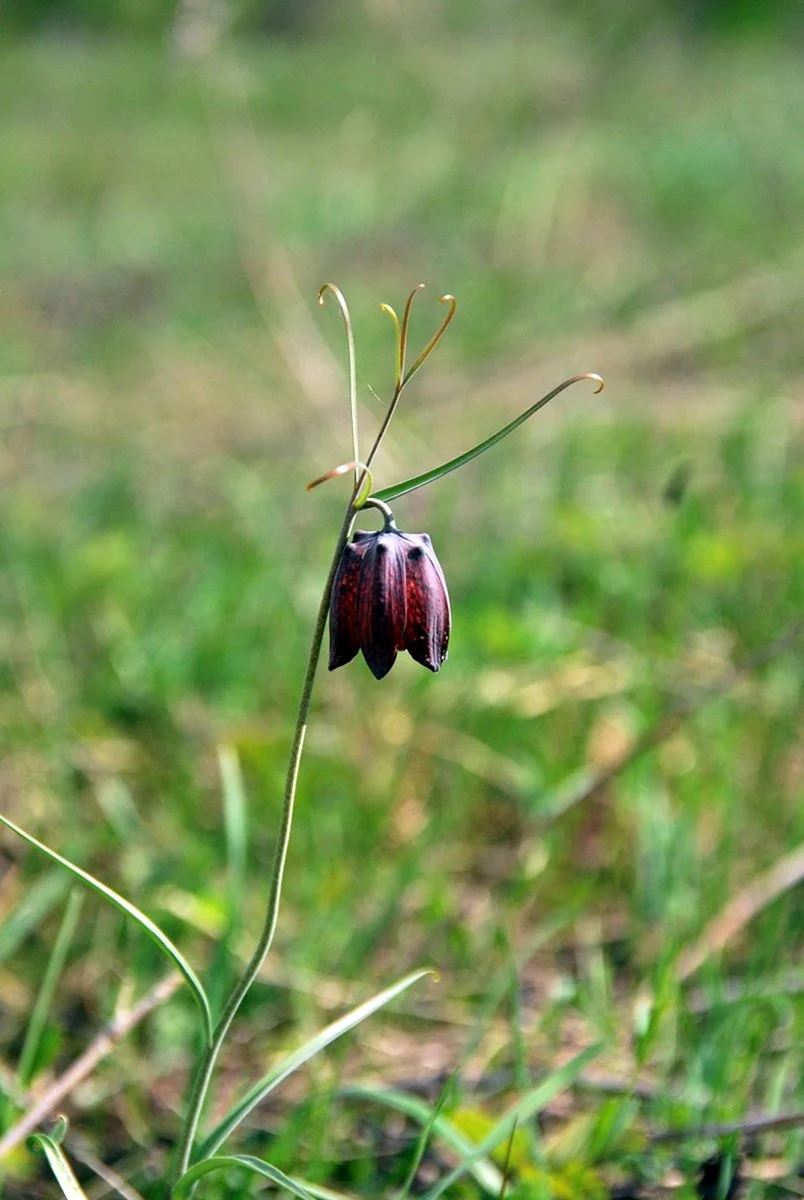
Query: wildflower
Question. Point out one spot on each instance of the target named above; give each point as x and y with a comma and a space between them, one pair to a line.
389, 594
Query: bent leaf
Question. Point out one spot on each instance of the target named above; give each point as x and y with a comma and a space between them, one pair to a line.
417, 481
125, 906
350, 347
63, 1172
226, 1161
299, 1057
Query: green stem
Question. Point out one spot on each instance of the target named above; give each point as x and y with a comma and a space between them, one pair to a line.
206, 1066
389, 416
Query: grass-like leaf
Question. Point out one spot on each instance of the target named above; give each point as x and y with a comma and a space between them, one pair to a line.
125, 906
475, 1164
225, 1162
63, 1172
350, 346
523, 1110
299, 1057
417, 481
44, 998
435, 1112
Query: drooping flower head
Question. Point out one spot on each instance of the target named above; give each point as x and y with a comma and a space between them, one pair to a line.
389, 594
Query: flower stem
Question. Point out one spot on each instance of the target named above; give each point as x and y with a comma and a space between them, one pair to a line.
206, 1065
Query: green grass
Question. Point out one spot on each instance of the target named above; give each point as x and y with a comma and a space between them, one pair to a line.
169, 387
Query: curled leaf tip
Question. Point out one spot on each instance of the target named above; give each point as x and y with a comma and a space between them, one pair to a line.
598, 379
60, 1127
365, 488
449, 299
341, 469
336, 292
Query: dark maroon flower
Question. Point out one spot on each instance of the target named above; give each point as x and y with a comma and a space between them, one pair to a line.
389, 594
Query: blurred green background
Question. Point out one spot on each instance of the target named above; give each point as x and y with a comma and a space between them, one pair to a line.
591, 821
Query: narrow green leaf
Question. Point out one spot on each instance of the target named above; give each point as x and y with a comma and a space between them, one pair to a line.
298, 1058
523, 1110
40, 898
44, 998
417, 481
426, 1133
350, 347
125, 906
477, 1165
226, 1161
63, 1172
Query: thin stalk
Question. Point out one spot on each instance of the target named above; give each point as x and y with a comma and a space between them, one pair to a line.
206, 1065
389, 416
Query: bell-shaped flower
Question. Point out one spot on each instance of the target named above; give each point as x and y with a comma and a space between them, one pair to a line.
389, 594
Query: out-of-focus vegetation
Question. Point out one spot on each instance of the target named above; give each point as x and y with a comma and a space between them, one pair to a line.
621, 195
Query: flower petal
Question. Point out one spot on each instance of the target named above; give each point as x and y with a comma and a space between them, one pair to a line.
428, 624
344, 628
382, 607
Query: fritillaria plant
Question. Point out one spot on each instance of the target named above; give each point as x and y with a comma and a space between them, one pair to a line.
385, 593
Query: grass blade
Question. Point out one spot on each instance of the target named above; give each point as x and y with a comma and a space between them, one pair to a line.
44, 999
426, 1133
523, 1110
474, 1163
226, 1161
125, 906
299, 1057
39, 899
63, 1172
417, 481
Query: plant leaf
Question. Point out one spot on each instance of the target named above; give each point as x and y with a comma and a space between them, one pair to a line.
224, 1161
47, 989
125, 906
426, 1134
299, 1057
364, 491
417, 481
476, 1164
350, 347
63, 1172
523, 1110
